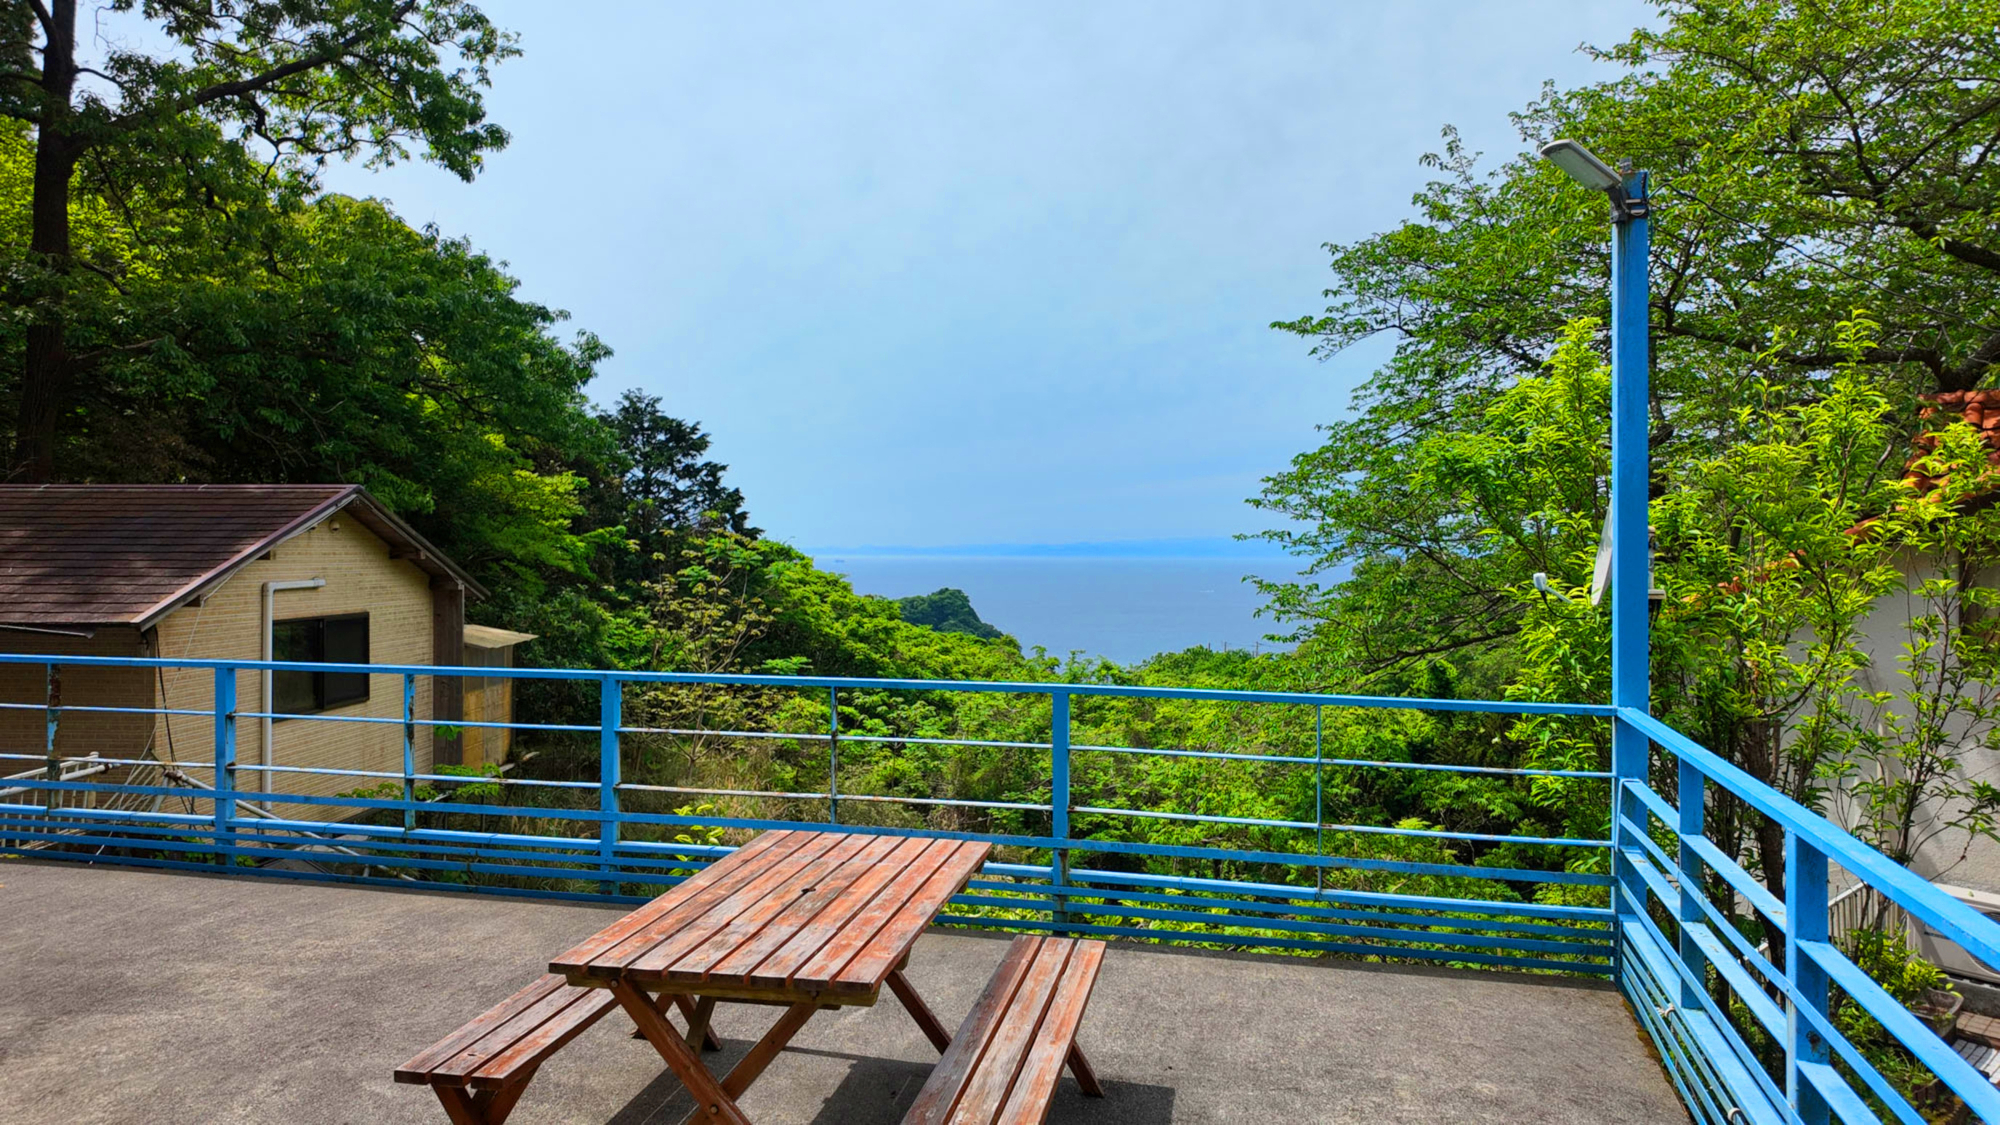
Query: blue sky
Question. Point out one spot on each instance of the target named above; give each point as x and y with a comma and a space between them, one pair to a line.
968, 273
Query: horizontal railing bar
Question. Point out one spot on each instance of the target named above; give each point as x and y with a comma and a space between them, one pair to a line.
1974, 1088
624, 786
1501, 707
454, 778
397, 720
1295, 759
1383, 933
1677, 971
94, 757
1244, 941
62, 707
806, 736
1276, 859
1357, 898
1361, 829
1953, 919
1733, 874
1086, 894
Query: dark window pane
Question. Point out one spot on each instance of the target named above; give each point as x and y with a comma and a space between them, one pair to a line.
346, 642
295, 692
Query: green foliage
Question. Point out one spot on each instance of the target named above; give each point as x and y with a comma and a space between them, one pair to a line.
948, 611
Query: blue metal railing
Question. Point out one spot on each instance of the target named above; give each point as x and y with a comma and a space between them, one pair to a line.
1745, 1034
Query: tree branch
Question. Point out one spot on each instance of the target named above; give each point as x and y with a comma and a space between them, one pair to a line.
257, 83
43, 17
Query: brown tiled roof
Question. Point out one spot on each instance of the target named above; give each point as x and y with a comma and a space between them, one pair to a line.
130, 554
1981, 409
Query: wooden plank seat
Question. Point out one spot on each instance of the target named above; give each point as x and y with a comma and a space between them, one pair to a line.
480, 1070
1001, 1067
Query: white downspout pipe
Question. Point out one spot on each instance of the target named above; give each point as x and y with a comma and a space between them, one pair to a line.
270, 604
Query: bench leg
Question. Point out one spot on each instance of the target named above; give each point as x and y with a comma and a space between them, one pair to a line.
1085, 1076
483, 1107
712, 1105
919, 1011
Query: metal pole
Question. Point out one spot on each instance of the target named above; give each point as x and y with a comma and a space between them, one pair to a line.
833, 755
225, 765
1319, 796
409, 751
610, 711
1059, 804
53, 702
1630, 480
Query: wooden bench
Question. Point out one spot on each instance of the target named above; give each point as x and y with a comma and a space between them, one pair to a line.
480, 1070
1001, 1067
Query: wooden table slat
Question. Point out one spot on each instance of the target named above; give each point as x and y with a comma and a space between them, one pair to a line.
885, 949
692, 966
802, 946
740, 879
692, 936
986, 1092
802, 911
819, 970
618, 932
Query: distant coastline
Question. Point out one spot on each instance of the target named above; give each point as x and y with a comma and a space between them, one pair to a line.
1189, 548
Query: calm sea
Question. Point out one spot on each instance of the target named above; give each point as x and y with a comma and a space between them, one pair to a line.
1126, 609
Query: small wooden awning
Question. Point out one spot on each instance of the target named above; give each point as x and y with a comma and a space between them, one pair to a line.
486, 636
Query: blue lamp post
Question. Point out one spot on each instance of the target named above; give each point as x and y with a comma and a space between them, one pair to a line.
1631, 579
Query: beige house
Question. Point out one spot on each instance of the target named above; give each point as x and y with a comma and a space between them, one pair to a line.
239, 572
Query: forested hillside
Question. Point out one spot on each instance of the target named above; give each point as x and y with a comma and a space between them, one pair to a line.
183, 302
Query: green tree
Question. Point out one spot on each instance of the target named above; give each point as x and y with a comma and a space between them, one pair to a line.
1809, 158
221, 129
660, 489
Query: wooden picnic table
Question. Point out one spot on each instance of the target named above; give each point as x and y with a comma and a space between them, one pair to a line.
803, 919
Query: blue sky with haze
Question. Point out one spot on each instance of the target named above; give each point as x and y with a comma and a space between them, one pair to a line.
993, 274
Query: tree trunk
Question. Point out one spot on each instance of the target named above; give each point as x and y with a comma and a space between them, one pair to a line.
1761, 757
45, 373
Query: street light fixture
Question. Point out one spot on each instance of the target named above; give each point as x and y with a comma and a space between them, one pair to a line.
1585, 168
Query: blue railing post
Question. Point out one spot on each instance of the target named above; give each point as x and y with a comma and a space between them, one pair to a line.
1319, 799
1693, 793
225, 765
52, 702
833, 755
1059, 804
610, 717
409, 750
1631, 678
1805, 920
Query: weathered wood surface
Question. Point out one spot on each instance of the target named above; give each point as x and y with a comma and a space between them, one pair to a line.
793, 916
1002, 1066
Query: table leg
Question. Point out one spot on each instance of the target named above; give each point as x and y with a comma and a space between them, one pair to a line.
919, 1011
711, 1103
708, 1040
751, 1065
704, 1011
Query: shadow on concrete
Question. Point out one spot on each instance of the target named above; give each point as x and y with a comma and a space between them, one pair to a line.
877, 1091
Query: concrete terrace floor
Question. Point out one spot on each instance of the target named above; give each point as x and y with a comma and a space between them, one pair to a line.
130, 995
